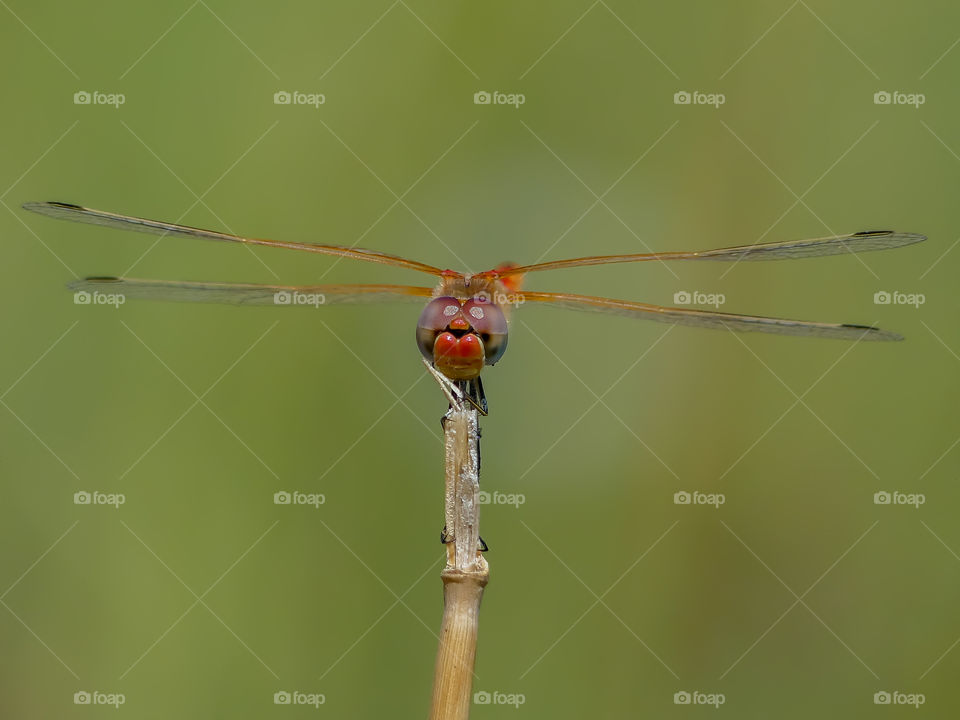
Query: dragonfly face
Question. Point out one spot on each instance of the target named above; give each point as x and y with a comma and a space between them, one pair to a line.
461, 336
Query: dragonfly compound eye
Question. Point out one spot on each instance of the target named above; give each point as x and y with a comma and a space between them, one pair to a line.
434, 319
489, 322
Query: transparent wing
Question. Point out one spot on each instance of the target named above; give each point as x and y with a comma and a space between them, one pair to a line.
248, 294
709, 319
837, 245
75, 213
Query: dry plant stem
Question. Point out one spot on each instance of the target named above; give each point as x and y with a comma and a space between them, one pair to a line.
466, 572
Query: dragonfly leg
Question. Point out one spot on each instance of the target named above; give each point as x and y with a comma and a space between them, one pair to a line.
445, 539
473, 392
480, 394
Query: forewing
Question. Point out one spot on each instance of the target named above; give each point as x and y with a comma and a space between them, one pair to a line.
76, 213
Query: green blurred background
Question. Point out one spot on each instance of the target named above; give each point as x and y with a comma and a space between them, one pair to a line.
200, 597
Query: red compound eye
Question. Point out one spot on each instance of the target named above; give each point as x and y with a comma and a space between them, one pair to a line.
434, 319
489, 323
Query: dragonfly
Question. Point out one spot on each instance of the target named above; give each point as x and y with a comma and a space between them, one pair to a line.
463, 326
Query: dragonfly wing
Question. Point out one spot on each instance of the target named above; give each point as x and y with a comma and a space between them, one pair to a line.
710, 319
818, 247
76, 213
787, 250
249, 294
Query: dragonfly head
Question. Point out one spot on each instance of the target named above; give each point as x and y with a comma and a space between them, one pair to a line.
461, 336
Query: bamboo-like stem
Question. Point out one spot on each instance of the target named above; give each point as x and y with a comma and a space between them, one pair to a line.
466, 572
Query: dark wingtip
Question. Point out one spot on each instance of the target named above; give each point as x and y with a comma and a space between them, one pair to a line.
871, 332
82, 283
44, 208
902, 238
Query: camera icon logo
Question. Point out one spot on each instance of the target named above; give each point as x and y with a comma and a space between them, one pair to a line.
882, 297
281, 498
881, 698
681, 698
81, 498
881, 97
682, 297
81, 297
681, 97
81, 698
281, 97
483, 497
481, 98
81, 97
281, 698
681, 498
282, 297
481, 697
881, 498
